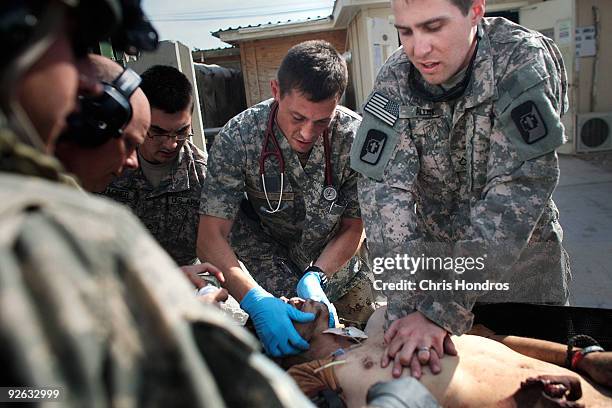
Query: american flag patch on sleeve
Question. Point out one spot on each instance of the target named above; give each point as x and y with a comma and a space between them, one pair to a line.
383, 108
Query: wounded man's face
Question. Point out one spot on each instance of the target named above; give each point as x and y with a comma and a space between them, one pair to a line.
321, 322
321, 344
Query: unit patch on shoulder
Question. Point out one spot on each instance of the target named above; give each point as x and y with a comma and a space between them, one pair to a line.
373, 146
376, 138
529, 122
382, 108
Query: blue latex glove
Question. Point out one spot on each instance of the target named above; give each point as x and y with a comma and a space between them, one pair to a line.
309, 287
273, 322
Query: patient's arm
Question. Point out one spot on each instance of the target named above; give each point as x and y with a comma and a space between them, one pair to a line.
597, 365
540, 349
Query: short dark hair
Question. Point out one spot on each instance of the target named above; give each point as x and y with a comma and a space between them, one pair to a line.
315, 69
167, 89
463, 5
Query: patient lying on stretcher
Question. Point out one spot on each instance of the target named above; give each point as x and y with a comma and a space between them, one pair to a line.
485, 373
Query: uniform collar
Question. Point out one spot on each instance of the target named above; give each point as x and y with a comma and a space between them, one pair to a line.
178, 178
482, 85
292, 161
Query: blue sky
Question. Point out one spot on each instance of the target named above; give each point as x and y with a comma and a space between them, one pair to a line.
192, 21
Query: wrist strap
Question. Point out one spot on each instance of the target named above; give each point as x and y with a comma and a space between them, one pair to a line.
574, 357
321, 274
579, 354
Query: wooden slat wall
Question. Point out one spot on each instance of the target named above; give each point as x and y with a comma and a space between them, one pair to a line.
261, 58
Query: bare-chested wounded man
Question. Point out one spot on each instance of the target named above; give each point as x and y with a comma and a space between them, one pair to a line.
485, 373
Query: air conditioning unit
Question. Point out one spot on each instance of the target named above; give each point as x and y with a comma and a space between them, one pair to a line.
593, 132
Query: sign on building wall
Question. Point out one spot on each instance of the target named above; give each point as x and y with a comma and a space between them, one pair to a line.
585, 41
564, 32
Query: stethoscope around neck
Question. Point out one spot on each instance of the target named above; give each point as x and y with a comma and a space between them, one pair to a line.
329, 192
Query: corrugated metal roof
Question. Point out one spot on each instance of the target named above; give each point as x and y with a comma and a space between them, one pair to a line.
269, 24
230, 47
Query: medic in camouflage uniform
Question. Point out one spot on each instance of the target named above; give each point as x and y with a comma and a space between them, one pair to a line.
312, 235
463, 164
90, 305
164, 191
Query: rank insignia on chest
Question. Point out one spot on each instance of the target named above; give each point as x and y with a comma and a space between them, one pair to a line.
382, 108
529, 122
373, 146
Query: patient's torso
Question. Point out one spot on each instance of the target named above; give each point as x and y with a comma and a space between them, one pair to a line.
484, 374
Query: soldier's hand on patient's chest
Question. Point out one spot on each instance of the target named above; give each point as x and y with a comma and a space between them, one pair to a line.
415, 341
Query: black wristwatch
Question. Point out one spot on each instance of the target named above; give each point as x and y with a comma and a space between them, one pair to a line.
321, 274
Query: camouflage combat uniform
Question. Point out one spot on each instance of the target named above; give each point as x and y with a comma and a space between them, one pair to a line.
276, 248
89, 303
169, 211
470, 177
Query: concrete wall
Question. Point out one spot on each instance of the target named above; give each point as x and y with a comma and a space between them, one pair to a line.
260, 59
594, 74
556, 18
372, 39
178, 56
497, 5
